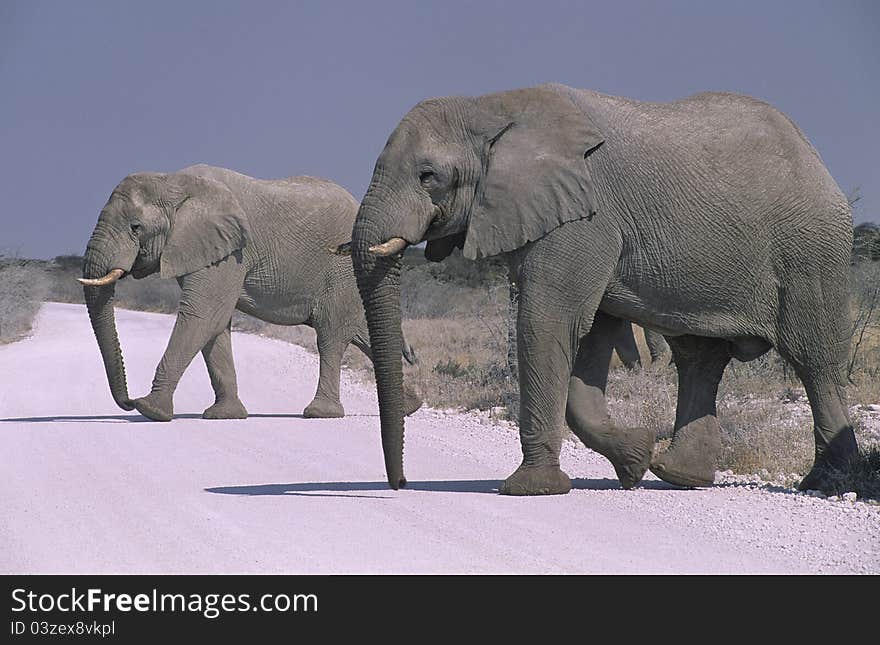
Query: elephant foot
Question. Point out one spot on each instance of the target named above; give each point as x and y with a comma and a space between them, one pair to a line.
631, 455
324, 409
226, 409
830, 469
536, 480
691, 457
157, 408
821, 477
411, 401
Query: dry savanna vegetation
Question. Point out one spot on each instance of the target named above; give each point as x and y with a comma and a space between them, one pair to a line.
457, 316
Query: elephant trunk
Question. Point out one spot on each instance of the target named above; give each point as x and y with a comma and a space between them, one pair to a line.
99, 302
378, 279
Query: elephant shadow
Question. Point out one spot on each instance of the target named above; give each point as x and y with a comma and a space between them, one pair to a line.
339, 489
613, 484
138, 418
92, 418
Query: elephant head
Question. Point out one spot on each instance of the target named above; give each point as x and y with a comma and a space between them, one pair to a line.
488, 174
171, 223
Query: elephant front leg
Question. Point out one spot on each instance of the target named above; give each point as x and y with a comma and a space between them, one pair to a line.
221, 369
207, 300
628, 449
544, 361
183, 345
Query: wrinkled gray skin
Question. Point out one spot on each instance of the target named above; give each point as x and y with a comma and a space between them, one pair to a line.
710, 219
232, 242
624, 342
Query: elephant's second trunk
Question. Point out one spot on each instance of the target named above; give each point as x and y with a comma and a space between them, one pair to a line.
99, 302
379, 284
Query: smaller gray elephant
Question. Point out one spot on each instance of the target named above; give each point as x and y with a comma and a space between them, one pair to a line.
232, 242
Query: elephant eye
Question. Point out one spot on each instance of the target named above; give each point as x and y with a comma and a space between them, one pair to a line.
426, 177
135, 228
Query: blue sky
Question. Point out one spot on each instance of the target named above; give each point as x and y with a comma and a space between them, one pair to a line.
93, 90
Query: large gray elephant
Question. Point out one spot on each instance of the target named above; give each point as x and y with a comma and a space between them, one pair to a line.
710, 219
232, 242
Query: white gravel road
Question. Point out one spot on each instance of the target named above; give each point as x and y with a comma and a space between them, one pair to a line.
88, 488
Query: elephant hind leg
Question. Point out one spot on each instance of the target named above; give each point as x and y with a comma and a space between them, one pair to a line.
331, 346
628, 449
814, 336
691, 458
836, 447
835, 441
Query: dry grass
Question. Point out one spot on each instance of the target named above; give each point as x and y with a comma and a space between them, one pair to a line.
461, 363
643, 397
863, 477
761, 409
765, 435
24, 285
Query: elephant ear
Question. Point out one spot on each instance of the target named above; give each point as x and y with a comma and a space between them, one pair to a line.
534, 174
207, 224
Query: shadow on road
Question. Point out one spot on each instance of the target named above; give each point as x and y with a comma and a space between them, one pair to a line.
280, 415
97, 418
452, 486
137, 418
613, 484
457, 486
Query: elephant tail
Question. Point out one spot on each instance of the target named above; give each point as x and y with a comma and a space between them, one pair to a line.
409, 353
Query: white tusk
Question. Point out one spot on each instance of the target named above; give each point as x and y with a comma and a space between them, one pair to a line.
110, 278
392, 247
